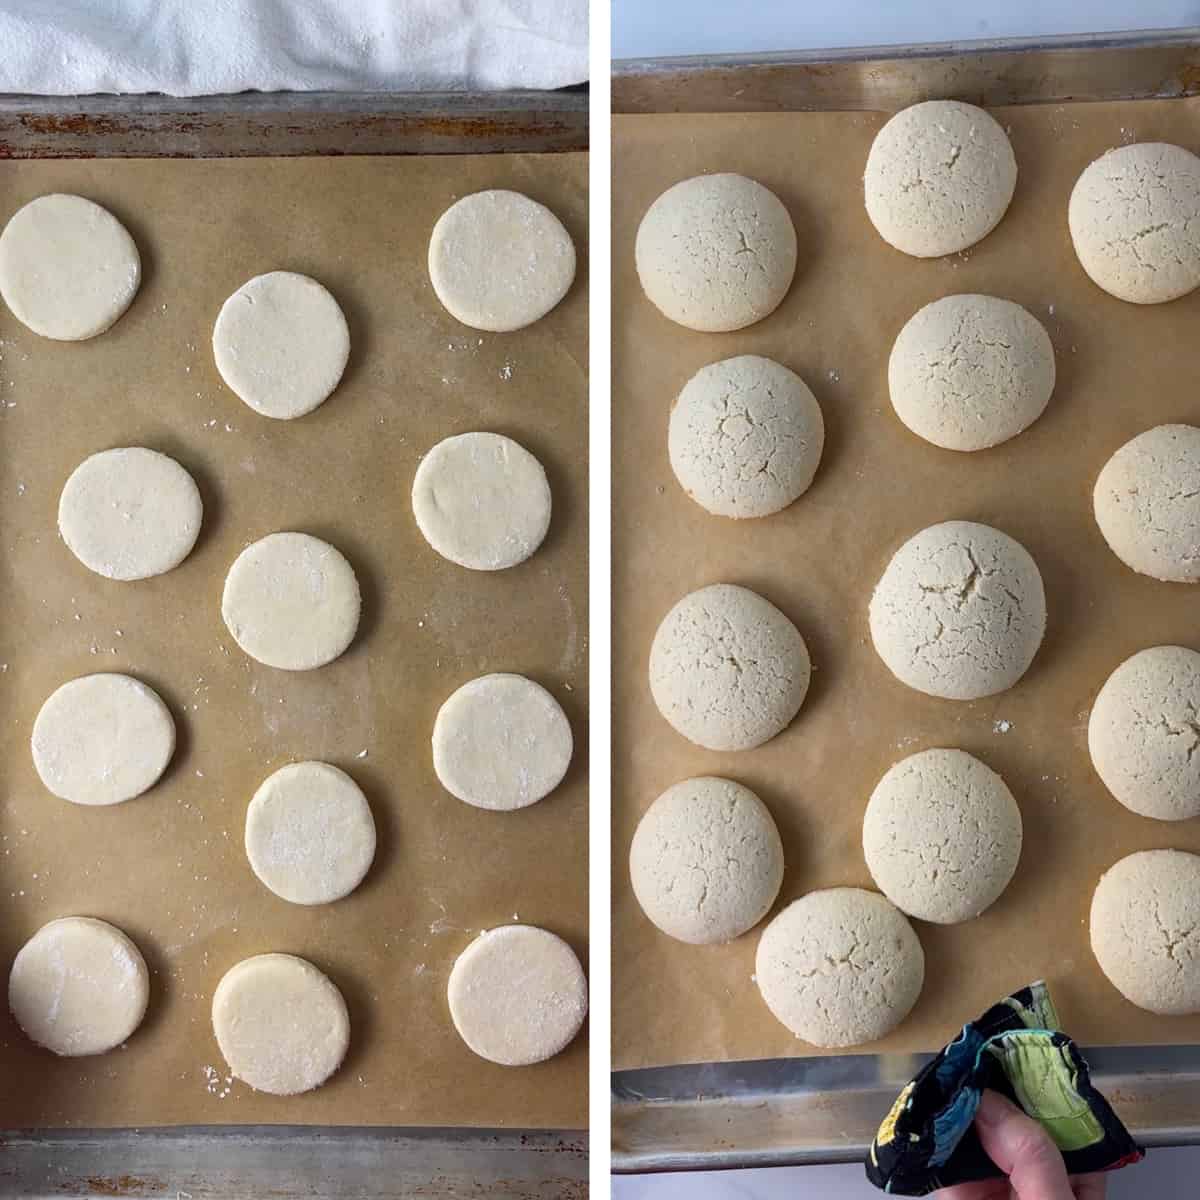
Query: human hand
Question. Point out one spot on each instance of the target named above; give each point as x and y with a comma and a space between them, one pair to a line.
1024, 1151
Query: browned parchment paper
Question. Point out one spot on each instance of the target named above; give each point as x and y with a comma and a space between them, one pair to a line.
169, 867
1121, 369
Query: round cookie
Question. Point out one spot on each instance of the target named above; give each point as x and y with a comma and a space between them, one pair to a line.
68, 268
1144, 731
968, 372
499, 261
942, 836
517, 995
310, 836
102, 739
840, 967
291, 601
130, 513
482, 501
78, 986
745, 437
727, 669
281, 1024
1134, 217
706, 861
501, 742
1145, 930
960, 611
939, 177
281, 344
716, 252
1147, 503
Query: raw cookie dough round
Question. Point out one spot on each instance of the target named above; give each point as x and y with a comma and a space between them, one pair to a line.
942, 836
78, 986
310, 836
501, 742
1145, 929
968, 372
1144, 731
745, 437
716, 252
706, 861
130, 513
1134, 217
840, 967
102, 739
281, 344
940, 176
517, 995
1147, 503
291, 601
499, 261
727, 669
281, 1024
68, 268
960, 611
482, 501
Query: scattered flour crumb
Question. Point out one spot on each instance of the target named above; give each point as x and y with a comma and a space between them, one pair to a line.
1002, 726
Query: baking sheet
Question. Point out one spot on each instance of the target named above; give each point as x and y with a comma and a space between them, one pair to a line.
169, 867
1121, 369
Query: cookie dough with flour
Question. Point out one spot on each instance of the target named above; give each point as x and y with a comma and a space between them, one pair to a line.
517, 995
727, 669
482, 501
68, 268
281, 1024
310, 836
501, 742
281, 344
960, 611
499, 261
78, 986
102, 739
130, 513
291, 601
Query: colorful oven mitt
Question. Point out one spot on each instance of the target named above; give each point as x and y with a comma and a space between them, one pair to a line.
928, 1140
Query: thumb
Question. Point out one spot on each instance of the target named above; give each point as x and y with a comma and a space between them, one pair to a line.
1022, 1149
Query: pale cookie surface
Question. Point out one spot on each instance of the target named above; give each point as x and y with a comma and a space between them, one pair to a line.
501, 742
727, 669
281, 1024
1147, 503
968, 372
1145, 930
1144, 732
68, 268
706, 861
310, 836
291, 601
517, 995
102, 739
840, 967
482, 501
939, 178
1134, 217
281, 343
130, 513
499, 261
942, 836
716, 252
745, 437
78, 986
959, 612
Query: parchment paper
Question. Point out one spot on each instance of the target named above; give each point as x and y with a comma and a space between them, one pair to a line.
1121, 369
169, 867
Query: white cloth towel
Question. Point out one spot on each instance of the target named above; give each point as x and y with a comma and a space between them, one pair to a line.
204, 47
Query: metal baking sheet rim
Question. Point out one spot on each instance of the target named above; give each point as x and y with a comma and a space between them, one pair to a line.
779, 1112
